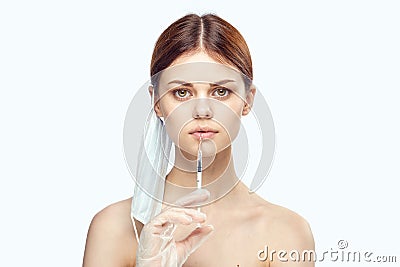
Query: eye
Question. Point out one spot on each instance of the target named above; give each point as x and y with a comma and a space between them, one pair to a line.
181, 93
221, 92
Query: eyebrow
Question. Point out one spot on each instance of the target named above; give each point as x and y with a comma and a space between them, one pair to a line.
190, 84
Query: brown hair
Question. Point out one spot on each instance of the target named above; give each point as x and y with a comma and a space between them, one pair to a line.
193, 33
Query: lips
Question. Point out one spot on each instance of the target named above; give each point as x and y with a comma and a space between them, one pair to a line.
203, 132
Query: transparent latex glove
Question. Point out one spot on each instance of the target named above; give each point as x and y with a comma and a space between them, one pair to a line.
157, 247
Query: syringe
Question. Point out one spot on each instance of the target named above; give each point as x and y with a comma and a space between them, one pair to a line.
199, 177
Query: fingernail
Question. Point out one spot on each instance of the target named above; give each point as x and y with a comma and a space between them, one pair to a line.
210, 226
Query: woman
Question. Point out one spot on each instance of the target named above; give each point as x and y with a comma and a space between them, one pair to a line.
232, 226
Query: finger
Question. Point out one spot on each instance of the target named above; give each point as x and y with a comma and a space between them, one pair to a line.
193, 241
197, 216
172, 217
194, 198
177, 216
180, 215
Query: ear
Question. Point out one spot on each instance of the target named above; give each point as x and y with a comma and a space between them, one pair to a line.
157, 108
249, 100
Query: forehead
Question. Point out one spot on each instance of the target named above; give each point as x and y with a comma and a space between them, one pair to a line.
200, 72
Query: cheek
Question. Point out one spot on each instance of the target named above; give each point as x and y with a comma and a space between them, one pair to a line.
176, 117
166, 106
174, 125
232, 127
229, 117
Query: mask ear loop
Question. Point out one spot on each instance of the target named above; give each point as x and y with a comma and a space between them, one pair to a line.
135, 230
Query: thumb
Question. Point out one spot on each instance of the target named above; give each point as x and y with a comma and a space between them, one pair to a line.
192, 242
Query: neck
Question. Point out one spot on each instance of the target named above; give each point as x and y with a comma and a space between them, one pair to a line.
218, 175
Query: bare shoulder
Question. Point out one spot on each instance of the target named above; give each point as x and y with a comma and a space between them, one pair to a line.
285, 230
110, 240
282, 224
285, 220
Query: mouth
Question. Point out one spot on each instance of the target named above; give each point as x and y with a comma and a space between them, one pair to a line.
203, 133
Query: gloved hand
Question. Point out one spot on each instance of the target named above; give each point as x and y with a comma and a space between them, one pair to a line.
157, 248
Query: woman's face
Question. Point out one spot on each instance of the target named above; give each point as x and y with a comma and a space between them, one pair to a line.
200, 98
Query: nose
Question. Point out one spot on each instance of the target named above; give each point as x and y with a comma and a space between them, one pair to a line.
202, 109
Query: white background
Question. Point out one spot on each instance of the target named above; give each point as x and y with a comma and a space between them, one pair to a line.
68, 70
